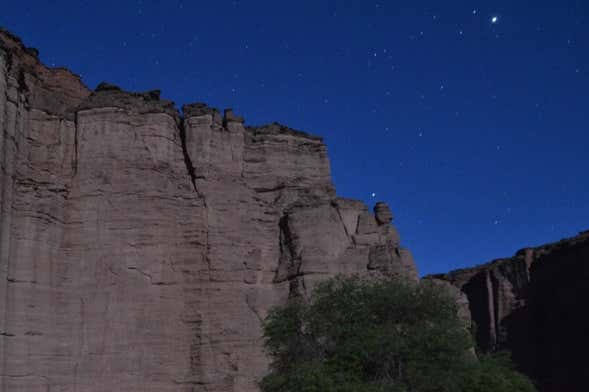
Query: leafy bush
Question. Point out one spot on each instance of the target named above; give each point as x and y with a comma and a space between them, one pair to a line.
495, 373
360, 335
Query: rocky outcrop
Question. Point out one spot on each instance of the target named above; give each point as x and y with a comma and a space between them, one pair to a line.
141, 247
532, 305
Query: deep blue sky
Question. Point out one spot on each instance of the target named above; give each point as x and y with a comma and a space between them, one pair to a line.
476, 133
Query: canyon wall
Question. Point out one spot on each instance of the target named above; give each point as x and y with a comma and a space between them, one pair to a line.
532, 305
141, 247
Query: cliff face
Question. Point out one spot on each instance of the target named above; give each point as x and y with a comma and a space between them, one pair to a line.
140, 248
533, 305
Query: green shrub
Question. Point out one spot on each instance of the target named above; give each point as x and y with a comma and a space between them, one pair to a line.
495, 373
361, 335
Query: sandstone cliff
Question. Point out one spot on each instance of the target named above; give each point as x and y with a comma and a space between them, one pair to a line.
140, 246
533, 304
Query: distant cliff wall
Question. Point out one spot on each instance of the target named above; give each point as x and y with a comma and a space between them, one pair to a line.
141, 247
534, 304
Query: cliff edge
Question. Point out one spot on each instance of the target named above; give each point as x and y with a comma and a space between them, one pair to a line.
140, 246
532, 305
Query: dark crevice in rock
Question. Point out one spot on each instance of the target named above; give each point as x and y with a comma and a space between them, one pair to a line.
193, 177
493, 287
289, 264
194, 383
22, 83
187, 160
478, 300
341, 218
276, 188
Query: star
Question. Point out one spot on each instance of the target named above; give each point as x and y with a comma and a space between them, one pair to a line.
373, 195
494, 19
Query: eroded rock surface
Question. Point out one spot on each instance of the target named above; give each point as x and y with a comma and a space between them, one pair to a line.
532, 304
140, 247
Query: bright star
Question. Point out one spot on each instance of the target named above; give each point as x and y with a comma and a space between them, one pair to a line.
373, 195
494, 19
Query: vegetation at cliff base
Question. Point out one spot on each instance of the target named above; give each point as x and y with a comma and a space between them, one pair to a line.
385, 335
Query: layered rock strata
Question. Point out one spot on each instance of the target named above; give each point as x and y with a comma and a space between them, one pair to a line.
141, 247
532, 305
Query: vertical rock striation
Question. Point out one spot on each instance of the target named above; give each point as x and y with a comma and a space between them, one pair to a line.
531, 304
140, 248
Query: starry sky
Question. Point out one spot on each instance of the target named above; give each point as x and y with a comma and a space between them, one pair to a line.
470, 118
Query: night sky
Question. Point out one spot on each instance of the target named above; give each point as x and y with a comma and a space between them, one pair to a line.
470, 118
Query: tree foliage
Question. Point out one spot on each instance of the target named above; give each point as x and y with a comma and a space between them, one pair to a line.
360, 335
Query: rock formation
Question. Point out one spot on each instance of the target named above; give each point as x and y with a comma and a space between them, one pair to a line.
532, 305
141, 247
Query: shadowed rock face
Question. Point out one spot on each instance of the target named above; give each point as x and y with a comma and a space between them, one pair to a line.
140, 248
533, 305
